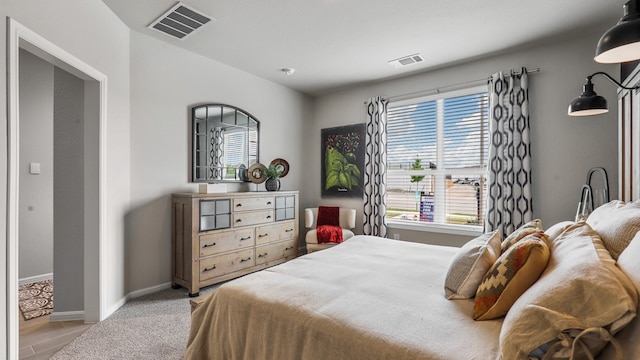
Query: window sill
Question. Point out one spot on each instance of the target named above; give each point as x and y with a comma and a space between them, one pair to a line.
466, 230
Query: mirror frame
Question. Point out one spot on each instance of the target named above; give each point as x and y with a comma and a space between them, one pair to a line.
228, 119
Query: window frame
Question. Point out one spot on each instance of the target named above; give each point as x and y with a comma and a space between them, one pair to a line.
440, 227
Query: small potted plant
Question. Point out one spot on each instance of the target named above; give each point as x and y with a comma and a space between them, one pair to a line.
272, 173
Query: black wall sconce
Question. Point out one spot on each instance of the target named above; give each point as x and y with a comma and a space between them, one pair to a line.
621, 43
589, 102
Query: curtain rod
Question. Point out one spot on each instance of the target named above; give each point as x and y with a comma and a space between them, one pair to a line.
453, 86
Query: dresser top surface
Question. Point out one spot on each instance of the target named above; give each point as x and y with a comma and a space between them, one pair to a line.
236, 194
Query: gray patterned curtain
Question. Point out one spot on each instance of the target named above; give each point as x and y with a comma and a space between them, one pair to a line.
509, 189
375, 163
216, 154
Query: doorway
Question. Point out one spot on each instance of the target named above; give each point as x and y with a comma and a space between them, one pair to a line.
52, 173
91, 185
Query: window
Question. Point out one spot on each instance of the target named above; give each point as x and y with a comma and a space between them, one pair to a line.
437, 151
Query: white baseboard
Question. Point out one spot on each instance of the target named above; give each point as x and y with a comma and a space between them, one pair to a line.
79, 315
66, 316
147, 291
136, 294
32, 279
116, 306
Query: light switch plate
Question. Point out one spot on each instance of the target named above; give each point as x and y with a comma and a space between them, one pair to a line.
34, 168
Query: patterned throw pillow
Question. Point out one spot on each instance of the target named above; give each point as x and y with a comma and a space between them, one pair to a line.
616, 223
468, 267
512, 274
532, 227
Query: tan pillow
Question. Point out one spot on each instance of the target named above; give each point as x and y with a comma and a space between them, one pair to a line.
467, 268
616, 223
557, 229
527, 229
581, 288
512, 274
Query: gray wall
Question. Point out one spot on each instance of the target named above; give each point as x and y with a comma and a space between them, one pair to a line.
36, 146
165, 82
563, 148
68, 185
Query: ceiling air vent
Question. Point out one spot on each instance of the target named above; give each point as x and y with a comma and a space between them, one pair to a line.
406, 60
180, 21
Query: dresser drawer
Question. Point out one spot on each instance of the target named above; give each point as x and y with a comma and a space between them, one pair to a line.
223, 264
276, 251
252, 218
254, 203
279, 231
223, 241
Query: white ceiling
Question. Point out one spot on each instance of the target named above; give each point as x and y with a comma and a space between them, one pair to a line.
337, 43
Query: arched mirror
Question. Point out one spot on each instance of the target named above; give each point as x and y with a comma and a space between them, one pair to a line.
225, 143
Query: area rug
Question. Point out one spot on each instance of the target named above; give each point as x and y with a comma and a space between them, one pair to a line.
36, 299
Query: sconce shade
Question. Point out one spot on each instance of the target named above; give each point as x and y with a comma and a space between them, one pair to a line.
589, 103
621, 43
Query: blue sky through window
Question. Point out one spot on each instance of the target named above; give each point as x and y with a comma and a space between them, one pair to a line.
411, 131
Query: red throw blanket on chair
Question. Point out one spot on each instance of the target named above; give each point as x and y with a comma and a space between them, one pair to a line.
328, 228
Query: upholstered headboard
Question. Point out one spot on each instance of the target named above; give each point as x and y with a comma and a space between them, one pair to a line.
629, 140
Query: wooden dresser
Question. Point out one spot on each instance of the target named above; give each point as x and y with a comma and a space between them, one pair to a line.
217, 237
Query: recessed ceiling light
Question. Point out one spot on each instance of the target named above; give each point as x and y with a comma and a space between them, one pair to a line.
288, 71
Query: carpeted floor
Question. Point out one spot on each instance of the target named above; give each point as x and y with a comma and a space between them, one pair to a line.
154, 326
36, 299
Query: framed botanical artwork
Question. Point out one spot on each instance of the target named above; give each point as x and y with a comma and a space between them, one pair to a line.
342, 158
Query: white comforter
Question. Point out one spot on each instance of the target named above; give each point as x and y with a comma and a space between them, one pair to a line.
368, 298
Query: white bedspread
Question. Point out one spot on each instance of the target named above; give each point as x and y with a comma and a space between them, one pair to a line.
368, 298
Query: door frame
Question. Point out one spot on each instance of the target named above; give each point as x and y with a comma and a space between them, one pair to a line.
18, 36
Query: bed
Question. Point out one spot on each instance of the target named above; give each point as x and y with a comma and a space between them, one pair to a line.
375, 298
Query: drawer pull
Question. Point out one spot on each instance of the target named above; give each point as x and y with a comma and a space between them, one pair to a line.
247, 259
268, 216
209, 269
268, 202
238, 204
288, 230
209, 245
263, 235
239, 220
289, 248
245, 238
262, 255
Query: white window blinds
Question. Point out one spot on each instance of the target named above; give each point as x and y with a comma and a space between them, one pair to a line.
437, 158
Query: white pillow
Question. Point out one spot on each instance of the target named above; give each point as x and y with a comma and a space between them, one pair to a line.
616, 223
468, 267
629, 261
629, 337
581, 288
